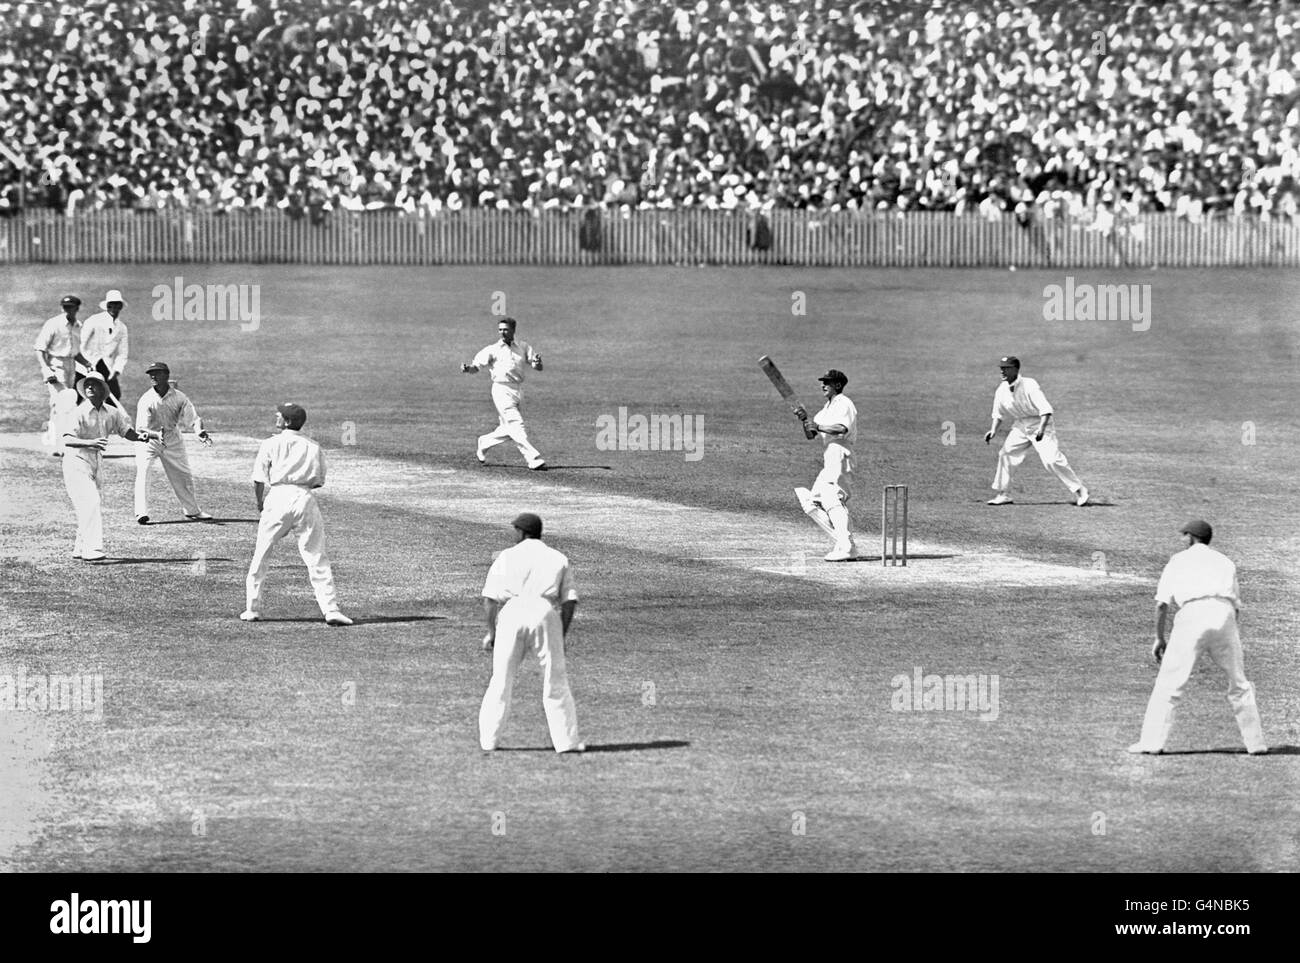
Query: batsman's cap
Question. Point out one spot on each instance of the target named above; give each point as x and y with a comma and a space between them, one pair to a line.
835, 377
111, 296
157, 366
1009, 361
71, 301
295, 416
529, 524
1199, 528
81, 385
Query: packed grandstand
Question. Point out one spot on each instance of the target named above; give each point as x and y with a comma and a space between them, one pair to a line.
980, 107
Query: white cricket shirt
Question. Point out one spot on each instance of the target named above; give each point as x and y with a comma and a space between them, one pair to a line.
1020, 399
530, 569
1198, 572
171, 413
290, 458
506, 362
838, 411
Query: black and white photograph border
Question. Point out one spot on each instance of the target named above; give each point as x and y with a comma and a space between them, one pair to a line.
394, 485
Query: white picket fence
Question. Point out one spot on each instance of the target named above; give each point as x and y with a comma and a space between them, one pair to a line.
792, 237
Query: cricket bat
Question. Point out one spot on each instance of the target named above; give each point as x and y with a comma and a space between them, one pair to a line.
774, 375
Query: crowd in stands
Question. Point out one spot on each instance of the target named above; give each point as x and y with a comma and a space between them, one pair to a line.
984, 107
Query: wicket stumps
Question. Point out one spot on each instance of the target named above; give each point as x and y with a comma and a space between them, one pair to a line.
890, 499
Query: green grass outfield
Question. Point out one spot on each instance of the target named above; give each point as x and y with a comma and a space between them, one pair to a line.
734, 687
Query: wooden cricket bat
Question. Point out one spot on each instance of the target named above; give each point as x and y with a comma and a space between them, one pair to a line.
774, 375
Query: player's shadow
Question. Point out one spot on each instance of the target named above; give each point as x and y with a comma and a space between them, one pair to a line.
1092, 503
549, 469
357, 619
1232, 751
385, 619
201, 521
189, 560
608, 747
877, 559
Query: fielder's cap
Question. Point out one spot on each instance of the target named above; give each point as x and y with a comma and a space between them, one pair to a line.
71, 300
81, 385
1201, 529
111, 296
835, 377
529, 524
1009, 361
295, 416
157, 366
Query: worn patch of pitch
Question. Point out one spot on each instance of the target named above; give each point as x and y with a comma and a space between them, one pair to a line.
732, 539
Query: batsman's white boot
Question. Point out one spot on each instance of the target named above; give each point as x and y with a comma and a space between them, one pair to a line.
1001, 498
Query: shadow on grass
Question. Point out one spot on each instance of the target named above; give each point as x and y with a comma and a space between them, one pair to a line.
1092, 503
548, 469
188, 560
1234, 751
607, 747
384, 619
357, 620
202, 521
877, 558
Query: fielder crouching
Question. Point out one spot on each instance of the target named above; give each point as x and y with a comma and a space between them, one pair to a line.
529, 600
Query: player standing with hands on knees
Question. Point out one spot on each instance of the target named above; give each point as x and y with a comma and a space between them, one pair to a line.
837, 426
1202, 582
1020, 401
85, 436
505, 361
289, 467
529, 600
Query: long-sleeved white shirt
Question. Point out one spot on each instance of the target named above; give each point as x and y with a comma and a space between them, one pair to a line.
506, 363
1020, 400
290, 458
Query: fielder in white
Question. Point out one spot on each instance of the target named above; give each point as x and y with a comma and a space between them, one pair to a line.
289, 467
166, 411
529, 599
85, 436
58, 348
1020, 401
837, 426
505, 361
1202, 582
105, 343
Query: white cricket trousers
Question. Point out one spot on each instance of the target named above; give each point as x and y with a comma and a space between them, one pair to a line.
288, 508
51, 427
1019, 440
82, 480
176, 465
1202, 625
511, 426
529, 625
830, 491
